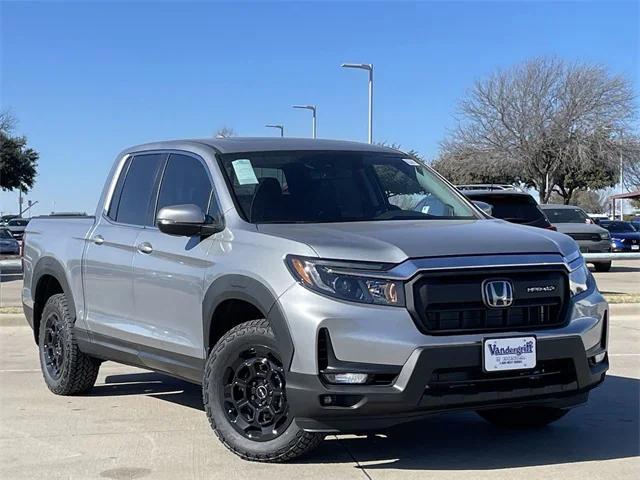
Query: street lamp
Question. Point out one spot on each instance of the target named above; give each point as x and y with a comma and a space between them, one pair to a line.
369, 67
313, 111
281, 127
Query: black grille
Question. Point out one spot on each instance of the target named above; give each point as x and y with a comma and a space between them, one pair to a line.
593, 237
451, 303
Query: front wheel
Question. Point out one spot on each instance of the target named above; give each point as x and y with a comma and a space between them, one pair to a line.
602, 267
245, 398
523, 417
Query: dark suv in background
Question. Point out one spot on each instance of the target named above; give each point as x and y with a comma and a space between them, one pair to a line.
512, 205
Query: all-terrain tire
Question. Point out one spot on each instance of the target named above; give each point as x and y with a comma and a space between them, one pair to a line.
77, 371
602, 266
291, 443
523, 417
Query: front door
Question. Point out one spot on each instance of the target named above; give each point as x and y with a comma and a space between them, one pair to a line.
108, 260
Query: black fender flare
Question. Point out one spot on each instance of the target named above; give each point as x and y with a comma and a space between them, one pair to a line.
53, 267
241, 287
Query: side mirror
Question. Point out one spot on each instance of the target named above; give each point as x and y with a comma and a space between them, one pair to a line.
186, 221
484, 206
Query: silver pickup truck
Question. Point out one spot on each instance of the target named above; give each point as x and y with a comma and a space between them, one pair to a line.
312, 287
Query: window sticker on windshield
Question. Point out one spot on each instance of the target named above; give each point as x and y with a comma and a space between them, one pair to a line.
244, 172
410, 161
426, 209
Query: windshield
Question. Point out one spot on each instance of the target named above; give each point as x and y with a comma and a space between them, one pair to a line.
318, 187
566, 215
5, 234
619, 227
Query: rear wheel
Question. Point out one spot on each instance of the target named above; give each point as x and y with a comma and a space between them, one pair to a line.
245, 398
66, 370
523, 417
602, 267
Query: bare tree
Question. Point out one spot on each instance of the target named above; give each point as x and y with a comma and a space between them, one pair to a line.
7, 121
541, 120
225, 132
630, 156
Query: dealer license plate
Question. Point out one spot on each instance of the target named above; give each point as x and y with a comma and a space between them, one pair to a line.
500, 354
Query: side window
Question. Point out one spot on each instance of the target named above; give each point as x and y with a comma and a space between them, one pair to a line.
117, 191
138, 187
185, 180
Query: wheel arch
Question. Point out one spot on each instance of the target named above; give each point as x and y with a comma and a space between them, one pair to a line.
245, 289
49, 278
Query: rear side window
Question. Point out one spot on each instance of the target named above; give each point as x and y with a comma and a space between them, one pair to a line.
185, 180
139, 182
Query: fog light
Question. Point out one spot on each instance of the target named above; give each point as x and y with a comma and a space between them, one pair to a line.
599, 357
358, 378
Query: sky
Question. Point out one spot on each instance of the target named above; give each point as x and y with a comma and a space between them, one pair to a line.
88, 79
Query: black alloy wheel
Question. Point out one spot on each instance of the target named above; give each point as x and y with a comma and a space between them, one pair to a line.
53, 348
253, 394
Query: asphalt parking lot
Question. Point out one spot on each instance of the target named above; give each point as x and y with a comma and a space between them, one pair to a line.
136, 424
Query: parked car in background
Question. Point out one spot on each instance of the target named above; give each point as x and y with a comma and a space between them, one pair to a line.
16, 226
573, 221
624, 236
598, 217
8, 244
513, 206
4, 219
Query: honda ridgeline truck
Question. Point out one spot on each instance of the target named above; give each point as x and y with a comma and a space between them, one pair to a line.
296, 281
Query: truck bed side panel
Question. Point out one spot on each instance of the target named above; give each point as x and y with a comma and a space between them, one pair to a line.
56, 245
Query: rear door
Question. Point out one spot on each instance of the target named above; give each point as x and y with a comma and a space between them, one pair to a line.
108, 261
169, 270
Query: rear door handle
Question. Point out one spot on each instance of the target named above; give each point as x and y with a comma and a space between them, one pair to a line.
98, 240
145, 247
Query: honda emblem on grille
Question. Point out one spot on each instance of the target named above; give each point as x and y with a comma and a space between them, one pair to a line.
497, 293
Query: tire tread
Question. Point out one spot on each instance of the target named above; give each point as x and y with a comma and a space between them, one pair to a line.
82, 369
302, 443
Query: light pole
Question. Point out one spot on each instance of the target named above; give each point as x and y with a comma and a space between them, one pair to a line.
313, 112
369, 67
281, 127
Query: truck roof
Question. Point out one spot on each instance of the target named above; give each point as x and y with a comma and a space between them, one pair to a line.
264, 144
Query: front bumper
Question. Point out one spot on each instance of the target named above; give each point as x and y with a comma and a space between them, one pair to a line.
387, 337
414, 394
587, 246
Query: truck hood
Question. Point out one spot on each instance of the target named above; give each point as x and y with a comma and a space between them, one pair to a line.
395, 241
579, 228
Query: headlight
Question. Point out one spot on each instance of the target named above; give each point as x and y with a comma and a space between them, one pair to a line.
605, 236
333, 279
579, 279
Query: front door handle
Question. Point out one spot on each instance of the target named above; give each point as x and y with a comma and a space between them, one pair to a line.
145, 247
98, 240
